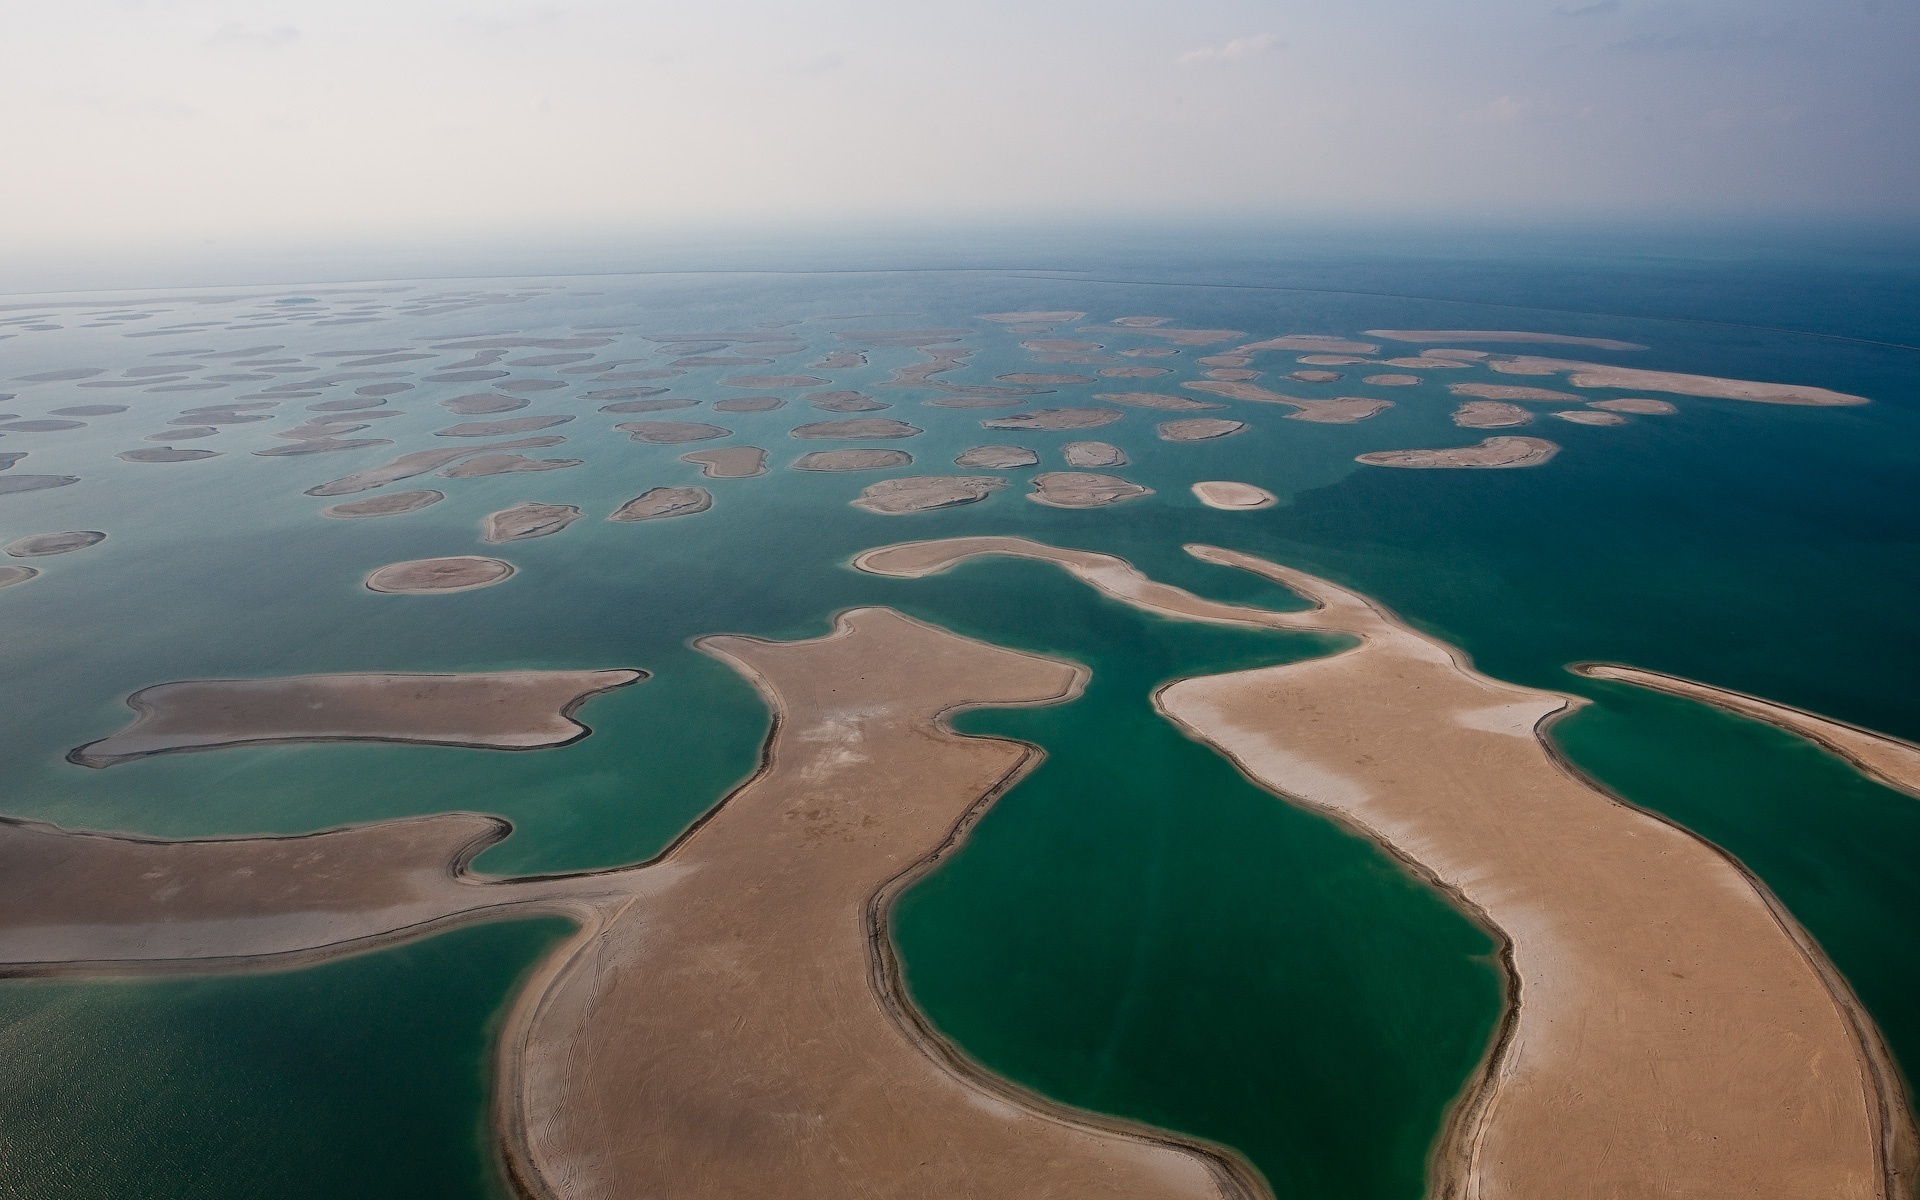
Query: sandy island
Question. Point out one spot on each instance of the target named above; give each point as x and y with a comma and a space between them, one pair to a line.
1498, 335
481, 404
749, 404
1077, 489
502, 464
655, 503
391, 504
419, 463
1156, 400
1490, 414
852, 460
658, 404
527, 520
1055, 419
845, 402
1586, 416
1198, 429
855, 429
1234, 497
729, 462
1493, 452
505, 710
1093, 454
1599, 375
39, 545
923, 493
1342, 410
1311, 343
10, 575
997, 458
671, 433
436, 576
1636, 405
1671, 1030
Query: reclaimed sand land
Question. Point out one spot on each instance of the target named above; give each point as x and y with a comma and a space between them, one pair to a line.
436, 576
1672, 1031
1232, 496
1491, 453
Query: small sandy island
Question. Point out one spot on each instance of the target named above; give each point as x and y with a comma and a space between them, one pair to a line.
655, 503
1636, 405
1342, 410
1391, 380
1158, 400
1490, 414
504, 464
1093, 454
1586, 416
510, 425
391, 504
1311, 343
1053, 317
1080, 489
852, 460
1135, 372
1499, 335
479, 404
1040, 379
39, 545
1599, 375
1316, 376
419, 463
845, 402
774, 382
1198, 429
166, 454
434, 576
921, 493
658, 404
749, 404
997, 458
671, 433
856, 429
729, 462
1629, 940
1234, 497
1493, 452
1055, 419
10, 575
1508, 391
14, 484
504, 710
527, 520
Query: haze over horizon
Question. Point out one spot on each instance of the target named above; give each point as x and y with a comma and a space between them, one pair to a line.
178, 123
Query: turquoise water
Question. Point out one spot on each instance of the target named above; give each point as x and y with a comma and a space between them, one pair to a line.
1133, 929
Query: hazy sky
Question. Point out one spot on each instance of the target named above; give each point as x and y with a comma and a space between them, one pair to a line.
177, 120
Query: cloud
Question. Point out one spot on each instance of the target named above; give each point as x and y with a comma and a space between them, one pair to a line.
1594, 9
1233, 51
239, 33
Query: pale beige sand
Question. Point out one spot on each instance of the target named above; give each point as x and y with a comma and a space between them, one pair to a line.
1156, 400
1672, 1031
1490, 414
169, 455
1586, 416
39, 545
921, 493
1232, 375
502, 428
1391, 380
623, 393
1179, 337
1027, 318
505, 464
671, 433
1330, 360
435, 576
1598, 375
840, 360
322, 444
1080, 489
1342, 410
504, 710
1467, 356
1637, 406
1093, 454
419, 463
1311, 343
1225, 360
856, 428
10, 575
1083, 360
1060, 345
657, 404
527, 520
1316, 376
659, 502
740, 1028
1498, 335
1142, 322
729, 462
1150, 352
1507, 391
997, 458
1888, 760
1044, 380
1135, 372
852, 460
391, 504
749, 404
1055, 419
723, 360
845, 402
1493, 452
1198, 429
774, 382
1235, 497
1424, 363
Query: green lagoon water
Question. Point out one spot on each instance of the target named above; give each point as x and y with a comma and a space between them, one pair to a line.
1134, 929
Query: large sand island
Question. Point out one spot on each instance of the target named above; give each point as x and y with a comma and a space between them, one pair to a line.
1672, 1031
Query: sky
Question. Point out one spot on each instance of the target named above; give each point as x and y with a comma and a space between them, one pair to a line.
193, 122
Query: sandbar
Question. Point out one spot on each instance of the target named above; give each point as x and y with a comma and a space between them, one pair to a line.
39, 545
11, 484
997, 458
1315, 376
1312, 344
622, 393
1083, 489
1499, 335
1026, 318
1391, 380
655, 503
1150, 352
527, 520
921, 493
1179, 337
10, 575
391, 504
1055, 419
845, 402
1598, 375
671, 433
840, 360
1198, 429
1636, 405
1586, 416
1232, 375
1234, 497
1494, 452
1093, 454
504, 464
852, 460
90, 410
1341, 410
504, 710
1135, 372
774, 382
1158, 400
433, 576
858, 427
167, 454
1330, 360
1659, 998
510, 425
729, 462
1044, 380
659, 404
1507, 391
419, 463
1490, 414
749, 404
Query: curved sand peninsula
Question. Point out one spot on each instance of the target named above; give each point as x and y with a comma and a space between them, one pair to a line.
1599, 375
434, 576
39, 545
1198, 429
1494, 452
655, 503
1055, 419
858, 427
1234, 497
503, 710
1892, 761
1342, 410
922, 493
1093, 454
1672, 1032
1078, 489
852, 460
1490, 414
729, 462
528, 520
391, 504
671, 433
1498, 335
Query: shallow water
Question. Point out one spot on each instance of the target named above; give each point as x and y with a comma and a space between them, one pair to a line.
1135, 928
